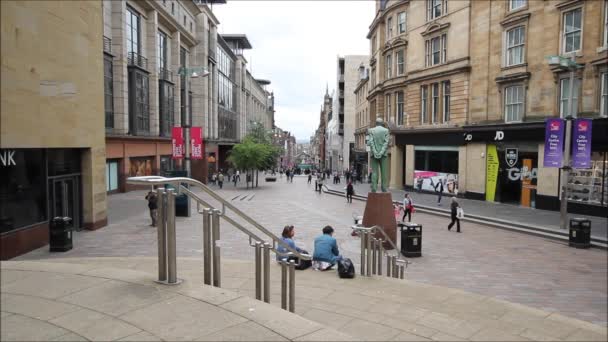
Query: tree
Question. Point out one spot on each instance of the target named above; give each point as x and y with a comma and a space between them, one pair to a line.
251, 155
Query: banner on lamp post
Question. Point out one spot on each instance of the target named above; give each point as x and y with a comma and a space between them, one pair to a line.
581, 144
177, 141
196, 142
554, 143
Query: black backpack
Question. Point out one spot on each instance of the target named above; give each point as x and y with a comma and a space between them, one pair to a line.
346, 269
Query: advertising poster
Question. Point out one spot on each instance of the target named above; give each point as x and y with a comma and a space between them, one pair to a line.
491, 172
581, 144
554, 142
177, 141
428, 180
196, 142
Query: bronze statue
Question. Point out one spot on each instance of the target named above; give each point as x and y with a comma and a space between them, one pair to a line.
377, 139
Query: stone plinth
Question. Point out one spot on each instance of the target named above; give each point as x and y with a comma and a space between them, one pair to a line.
379, 212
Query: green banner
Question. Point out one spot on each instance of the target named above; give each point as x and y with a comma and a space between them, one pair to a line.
491, 172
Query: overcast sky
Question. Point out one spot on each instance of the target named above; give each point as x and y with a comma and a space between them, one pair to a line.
295, 46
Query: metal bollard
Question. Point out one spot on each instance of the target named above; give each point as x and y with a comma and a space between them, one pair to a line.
215, 233
162, 235
363, 235
401, 272
292, 286
395, 268
171, 241
283, 285
374, 255
267, 272
207, 246
258, 270
368, 242
380, 256
389, 267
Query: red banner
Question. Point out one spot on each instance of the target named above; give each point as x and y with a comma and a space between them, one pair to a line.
196, 142
178, 143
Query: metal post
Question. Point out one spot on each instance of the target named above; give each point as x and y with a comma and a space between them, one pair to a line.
162, 235
171, 241
283, 284
368, 242
401, 271
395, 268
207, 246
380, 256
389, 267
215, 233
258, 270
363, 235
292, 286
563, 208
374, 254
267, 272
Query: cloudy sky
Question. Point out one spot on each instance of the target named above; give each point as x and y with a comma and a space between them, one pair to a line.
295, 46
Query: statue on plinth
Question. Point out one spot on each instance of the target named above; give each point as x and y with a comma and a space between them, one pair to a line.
378, 139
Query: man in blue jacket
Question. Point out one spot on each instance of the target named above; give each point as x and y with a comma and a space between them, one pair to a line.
326, 248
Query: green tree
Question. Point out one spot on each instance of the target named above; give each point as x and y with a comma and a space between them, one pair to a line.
251, 155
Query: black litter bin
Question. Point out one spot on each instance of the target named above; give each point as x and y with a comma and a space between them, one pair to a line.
411, 239
580, 233
60, 234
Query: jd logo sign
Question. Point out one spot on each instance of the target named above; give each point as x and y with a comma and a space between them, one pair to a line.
499, 136
7, 158
511, 156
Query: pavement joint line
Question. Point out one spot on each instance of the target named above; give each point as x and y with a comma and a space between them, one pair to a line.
58, 326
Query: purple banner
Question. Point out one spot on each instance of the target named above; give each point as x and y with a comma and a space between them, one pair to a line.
581, 144
554, 143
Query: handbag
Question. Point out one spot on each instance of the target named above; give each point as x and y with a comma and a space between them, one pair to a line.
459, 213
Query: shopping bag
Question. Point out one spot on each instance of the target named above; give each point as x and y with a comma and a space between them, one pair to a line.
459, 213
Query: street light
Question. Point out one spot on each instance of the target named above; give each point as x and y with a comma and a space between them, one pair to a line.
569, 64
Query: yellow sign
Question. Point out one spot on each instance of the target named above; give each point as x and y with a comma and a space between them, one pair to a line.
491, 172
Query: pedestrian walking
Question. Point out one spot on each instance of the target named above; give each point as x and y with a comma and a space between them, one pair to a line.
220, 179
408, 207
287, 175
238, 176
455, 209
309, 178
319, 182
153, 206
350, 191
234, 179
292, 174
439, 190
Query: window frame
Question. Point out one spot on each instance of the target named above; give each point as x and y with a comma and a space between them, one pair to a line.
576, 95
446, 96
108, 91
513, 104
389, 66
423, 104
435, 102
162, 50
400, 65
441, 52
605, 35
388, 102
133, 14
508, 48
399, 98
389, 28
603, 94
564, 34
431, 5
523, 5
401, 25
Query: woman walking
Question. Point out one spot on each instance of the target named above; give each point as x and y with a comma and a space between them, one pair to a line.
454, 213
350, 191
408, 207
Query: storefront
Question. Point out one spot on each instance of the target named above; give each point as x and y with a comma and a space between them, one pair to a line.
37, 185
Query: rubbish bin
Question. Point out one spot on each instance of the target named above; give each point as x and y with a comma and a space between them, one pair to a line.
411, 239
580, 233
60, 234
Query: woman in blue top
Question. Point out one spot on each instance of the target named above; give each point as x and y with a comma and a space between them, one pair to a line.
326, 247
287, 237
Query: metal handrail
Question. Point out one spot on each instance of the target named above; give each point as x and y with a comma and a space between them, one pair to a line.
177, 184
376, 228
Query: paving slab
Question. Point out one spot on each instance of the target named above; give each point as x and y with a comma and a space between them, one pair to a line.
248, 331
55, 285
35, 307
95, 326
22, 328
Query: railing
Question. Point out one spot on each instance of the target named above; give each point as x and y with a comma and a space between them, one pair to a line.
373, 253
107, 44
134, 58
165, 75
167, 273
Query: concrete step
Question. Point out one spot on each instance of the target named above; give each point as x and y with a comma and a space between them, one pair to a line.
363, 308
551, 233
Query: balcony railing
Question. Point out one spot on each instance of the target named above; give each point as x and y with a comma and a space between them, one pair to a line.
107, 44
135, 59
165, 75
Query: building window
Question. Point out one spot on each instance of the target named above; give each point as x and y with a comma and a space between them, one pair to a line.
373, 44
399, 108
389, 66
162, 51
606, 24
172, 8
515, 4
401, 18
514, 103
436, 50
400, 62
446, 100
388, 115
515, 46
604, 94
389, 28
435, 9
184, 20
183, 59
435, 102
167, 105
564, 96
111, 175
424, 104
140, 103
190, 26
108, 79
133, 27
572, 30
373, 77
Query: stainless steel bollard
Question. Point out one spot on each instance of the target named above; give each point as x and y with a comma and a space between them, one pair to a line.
401, 272
292, 286
267, 272
362, 234
395, 268
171, 240
374, 254
207, 246
283, 284
368, 242
258, 270
161, 225
380, 256
389, 267
215, 233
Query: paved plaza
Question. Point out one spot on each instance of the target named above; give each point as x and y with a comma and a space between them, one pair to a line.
537, 272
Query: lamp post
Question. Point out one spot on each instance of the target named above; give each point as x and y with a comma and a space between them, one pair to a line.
569, 64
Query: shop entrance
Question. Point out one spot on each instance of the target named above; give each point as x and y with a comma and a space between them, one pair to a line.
517, 175
64, 197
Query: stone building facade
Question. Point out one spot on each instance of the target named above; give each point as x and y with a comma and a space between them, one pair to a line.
362, 122
52, 148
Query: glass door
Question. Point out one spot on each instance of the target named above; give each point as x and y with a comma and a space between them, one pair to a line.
64, 196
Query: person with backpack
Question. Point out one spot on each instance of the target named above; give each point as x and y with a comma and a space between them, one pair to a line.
408, 207
153, 206
455, 208
350, 191
326, 253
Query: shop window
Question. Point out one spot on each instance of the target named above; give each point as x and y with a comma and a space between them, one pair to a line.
590, 186
111, 175
434, 166
167, 163
141, 167
23, 188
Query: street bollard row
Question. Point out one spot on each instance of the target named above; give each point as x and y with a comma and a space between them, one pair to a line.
372, 255
167, 256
